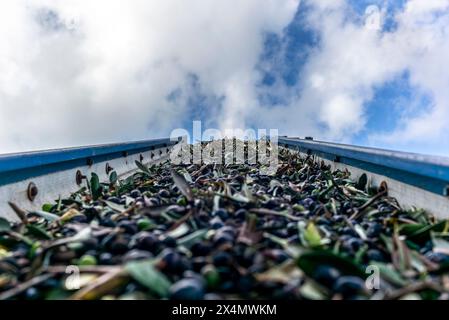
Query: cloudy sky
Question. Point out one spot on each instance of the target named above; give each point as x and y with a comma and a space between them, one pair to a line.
369, 72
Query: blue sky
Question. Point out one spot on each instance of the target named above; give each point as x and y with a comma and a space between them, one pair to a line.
368, 72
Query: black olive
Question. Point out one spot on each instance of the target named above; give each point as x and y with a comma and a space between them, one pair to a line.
200, 249
135, 194
114, 200
349, 286
375, 255
128, 226
105, 258
222, 213
119, 245
240, 214
169, 242
326, 275
164, 193
221, 259
187, 289
147, 241
374, 230
32, 294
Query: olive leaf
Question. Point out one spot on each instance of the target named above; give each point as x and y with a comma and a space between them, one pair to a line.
95, 186
312, 235
190, 239
309, 262
46, 215
361, 183
147, 275
178, 232
47, 207
113, 177
182, 185
4, 225
142, 167
38, 232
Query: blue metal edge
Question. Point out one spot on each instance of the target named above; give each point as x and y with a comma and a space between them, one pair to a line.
426, 172
20, 166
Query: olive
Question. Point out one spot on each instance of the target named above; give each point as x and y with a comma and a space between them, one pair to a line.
374, 230
87, 260
187, 289
278, 255
153, 201
375, 255
349, 286
135, 194
79, 219
339, 218
326, 275
222, 237
171, 260
308, 203
200, 249
49, 284
211, 275
144, 224
114, 200
32, 294
169, 242
107, 222
216, 223
348, 231
90, 244
352, 245
437, 257
147, 241
222, 213
164, 193
127, 226
323, 221
105, 258
292, 228
240, 214
212, 296
222, 258
119, 245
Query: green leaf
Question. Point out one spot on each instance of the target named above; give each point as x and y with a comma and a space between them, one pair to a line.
178, 232
95, 186
311, 260
38, 232
4, 225
361, 183
47, 207
113, 177
312, 235
422, 235
114, 206
46, 215
182, 185
191, 238
142, 167
147, 275
390, 274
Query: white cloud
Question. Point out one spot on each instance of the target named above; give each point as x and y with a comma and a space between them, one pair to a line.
97, 71
353, 59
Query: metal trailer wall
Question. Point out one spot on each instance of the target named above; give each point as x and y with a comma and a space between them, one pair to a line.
414, 179
33, 178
